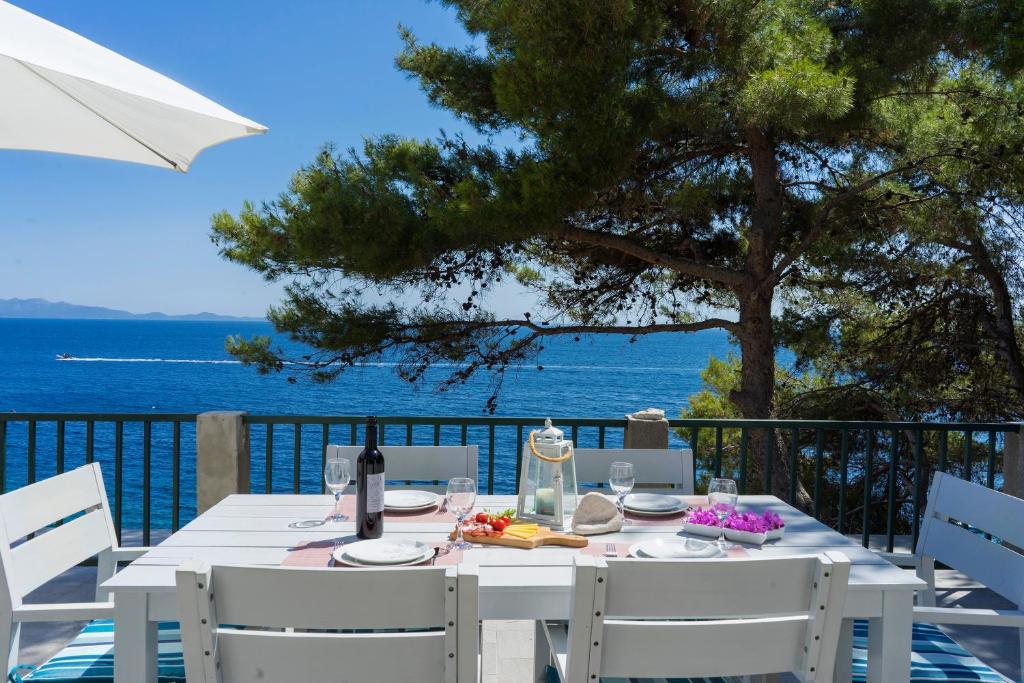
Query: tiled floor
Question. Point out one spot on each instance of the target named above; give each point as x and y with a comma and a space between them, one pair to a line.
507, 648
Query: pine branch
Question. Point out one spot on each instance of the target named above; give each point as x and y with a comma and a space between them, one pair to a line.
684, 266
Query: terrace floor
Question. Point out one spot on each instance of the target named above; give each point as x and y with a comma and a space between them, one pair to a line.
512, 662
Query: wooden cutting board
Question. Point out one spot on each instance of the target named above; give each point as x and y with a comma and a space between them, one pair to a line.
544, 536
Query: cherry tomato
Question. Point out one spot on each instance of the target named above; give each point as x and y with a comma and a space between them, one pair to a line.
481, 517
507, 520
499, 525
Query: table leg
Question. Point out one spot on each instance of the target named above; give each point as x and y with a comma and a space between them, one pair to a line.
844, 654
890, 639
135, 640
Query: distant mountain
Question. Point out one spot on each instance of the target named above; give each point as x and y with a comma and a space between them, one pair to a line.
41, 308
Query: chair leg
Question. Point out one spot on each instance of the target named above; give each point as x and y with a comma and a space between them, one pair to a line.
926, 572
843, 670
10, 636
541, 653
105, 568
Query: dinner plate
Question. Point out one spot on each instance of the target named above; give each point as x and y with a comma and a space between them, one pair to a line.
674, 549
382, 551
407, 500
341, 557
653, 504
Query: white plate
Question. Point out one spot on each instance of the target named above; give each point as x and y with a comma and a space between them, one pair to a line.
409, 500
653, 503
341, 558
382, 551
674, 549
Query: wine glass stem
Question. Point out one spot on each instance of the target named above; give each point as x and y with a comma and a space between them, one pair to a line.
337, 504
458, 531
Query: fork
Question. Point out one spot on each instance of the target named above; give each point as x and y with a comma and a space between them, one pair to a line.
610, 550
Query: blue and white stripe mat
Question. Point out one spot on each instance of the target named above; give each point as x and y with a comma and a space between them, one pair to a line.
936, 657
90, 657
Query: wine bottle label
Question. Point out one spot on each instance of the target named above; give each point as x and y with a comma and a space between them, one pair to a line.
375, 492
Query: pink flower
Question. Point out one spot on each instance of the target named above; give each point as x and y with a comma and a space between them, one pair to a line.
704, 517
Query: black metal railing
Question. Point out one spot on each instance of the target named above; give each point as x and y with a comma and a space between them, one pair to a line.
34, 446
863, 478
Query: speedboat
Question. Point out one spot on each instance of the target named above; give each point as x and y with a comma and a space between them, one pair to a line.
64, 356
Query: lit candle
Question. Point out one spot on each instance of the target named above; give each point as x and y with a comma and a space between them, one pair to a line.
546, 502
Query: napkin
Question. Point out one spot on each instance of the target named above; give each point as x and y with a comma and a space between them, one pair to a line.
595, 514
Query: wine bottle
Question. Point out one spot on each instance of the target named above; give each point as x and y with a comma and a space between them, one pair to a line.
370, 486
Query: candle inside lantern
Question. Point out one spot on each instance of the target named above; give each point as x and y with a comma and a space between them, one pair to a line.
546, 502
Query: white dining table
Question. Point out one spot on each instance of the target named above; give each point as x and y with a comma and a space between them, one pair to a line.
514, 584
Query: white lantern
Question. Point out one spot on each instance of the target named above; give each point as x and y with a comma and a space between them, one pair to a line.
547, 484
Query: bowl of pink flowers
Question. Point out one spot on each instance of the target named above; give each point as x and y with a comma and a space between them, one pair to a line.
703, 522
740, 527
751, 527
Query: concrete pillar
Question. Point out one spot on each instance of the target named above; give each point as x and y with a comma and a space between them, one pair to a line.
646, 429
222, 457
1013, 463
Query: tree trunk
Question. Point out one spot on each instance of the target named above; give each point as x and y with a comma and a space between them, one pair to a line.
1001, 327
756, 396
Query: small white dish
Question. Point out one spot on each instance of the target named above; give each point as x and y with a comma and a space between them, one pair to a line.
409, 500
653, 504
702, 529
675, 549
382, 551
745, 536
341, 557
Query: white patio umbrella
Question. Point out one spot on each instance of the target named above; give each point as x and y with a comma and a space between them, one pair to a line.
60, 92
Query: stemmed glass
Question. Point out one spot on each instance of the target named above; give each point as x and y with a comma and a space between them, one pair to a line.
722, 495
337, 476
460, 496
621, 480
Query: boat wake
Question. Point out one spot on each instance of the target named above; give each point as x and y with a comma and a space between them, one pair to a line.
75, 359
382, 364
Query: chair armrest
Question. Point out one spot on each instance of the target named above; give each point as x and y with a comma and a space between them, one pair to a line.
130, 553
905, 560
969, 617
66, 611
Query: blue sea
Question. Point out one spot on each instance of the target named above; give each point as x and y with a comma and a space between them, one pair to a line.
182, 367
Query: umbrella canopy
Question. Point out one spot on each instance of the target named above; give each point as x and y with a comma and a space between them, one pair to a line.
60, 92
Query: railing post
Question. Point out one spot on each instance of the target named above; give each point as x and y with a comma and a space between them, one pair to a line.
1013, 463
222, 457
646, 429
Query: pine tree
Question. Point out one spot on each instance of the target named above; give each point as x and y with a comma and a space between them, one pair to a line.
675, 161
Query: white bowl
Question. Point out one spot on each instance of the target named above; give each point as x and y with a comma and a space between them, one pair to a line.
745, 536
702, 530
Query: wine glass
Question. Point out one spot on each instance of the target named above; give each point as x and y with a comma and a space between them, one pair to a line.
337, 476
460, 496
621, 479
722, 496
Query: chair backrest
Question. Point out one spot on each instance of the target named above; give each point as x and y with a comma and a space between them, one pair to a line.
28, 564
656, 468
311, 624
955, 504
706, 618
405, 464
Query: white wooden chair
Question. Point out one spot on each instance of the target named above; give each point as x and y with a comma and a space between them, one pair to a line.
656, 468
953, 506
28, 563
299, 624
640, 618
406, 464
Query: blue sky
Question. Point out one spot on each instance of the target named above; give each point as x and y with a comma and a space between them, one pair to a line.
128, 236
